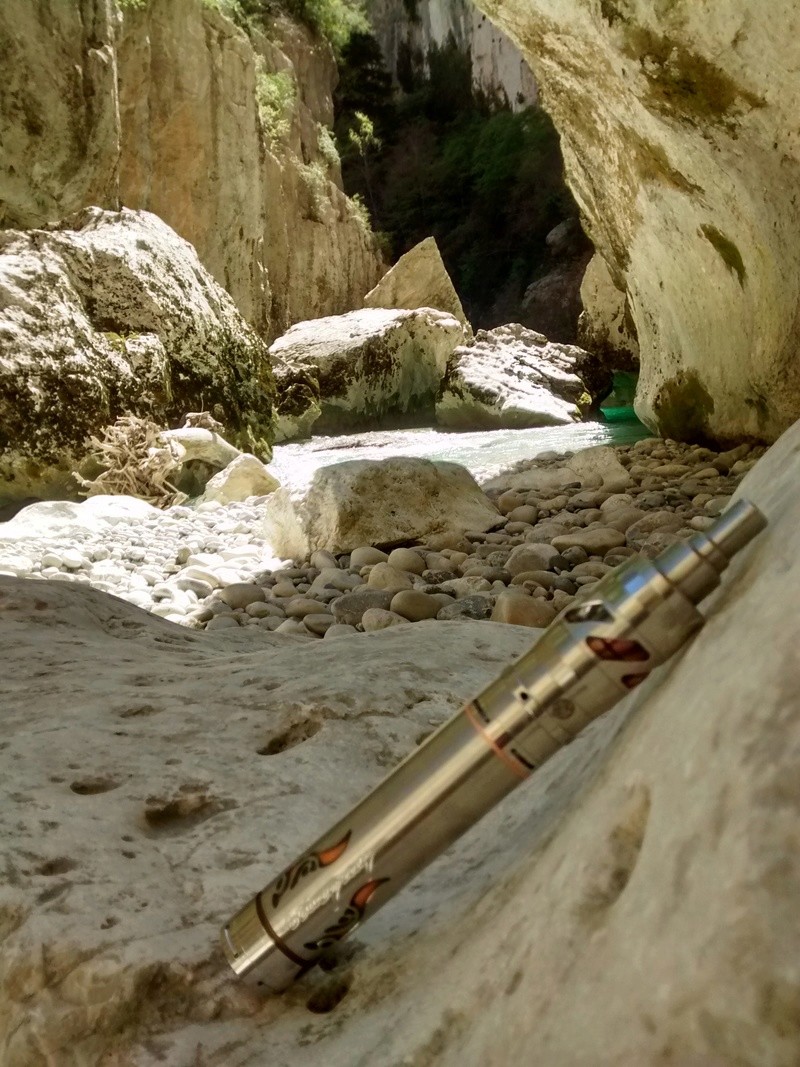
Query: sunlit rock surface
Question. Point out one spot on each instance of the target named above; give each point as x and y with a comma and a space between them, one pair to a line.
676, 125
361, 369
407, 32
635, 902
511, 378
156, 106
419, 279
408, 499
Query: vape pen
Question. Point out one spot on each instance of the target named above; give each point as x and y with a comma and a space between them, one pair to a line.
589, 658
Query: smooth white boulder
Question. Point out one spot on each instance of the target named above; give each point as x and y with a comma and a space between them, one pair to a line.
512, 378
375, 502
244, 477
55, 517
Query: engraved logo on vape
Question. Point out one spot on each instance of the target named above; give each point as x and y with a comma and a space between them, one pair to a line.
307, 864
352, 916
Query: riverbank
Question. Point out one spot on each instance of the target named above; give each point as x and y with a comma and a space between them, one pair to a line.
563, 521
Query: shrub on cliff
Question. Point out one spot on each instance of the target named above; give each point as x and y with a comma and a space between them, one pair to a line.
451, 162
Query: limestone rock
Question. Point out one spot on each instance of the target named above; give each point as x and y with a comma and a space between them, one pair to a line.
112, 312
367, 366
519, 609
380, 502
498, 69
606, 326
243, 477
419, 279
250, 187
156, 106
511, 378
668, 117
59, 111
156, 777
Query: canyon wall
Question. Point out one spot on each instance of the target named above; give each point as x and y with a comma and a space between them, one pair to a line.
169, 107
678, 126
408, 29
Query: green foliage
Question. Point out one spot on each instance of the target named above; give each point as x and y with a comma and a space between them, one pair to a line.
327, 145
275, 94
336, 20
361, 212
315, 180
446, 160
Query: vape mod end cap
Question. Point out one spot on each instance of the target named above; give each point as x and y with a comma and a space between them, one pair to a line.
253, 953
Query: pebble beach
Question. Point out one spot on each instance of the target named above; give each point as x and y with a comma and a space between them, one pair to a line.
208, 567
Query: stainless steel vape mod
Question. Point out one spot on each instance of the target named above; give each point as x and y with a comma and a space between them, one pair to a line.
589, 658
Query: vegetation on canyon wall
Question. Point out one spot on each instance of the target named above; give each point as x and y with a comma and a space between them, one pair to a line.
443, 158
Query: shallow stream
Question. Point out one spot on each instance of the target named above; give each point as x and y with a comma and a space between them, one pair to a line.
485, 453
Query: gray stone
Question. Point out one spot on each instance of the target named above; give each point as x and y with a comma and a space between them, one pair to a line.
531, 557
240, 594
221, 622
365, 555
349, 609
406, 559
380, 619
518, 609
469, 607
415, 606
595, 542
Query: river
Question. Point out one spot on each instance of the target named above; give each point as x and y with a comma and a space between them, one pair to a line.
485, 454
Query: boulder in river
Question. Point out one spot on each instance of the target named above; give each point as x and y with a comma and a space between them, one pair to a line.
375, 502
418, 279
362, 369
512, 378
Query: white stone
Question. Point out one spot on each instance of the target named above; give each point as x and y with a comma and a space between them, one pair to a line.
374, 502
175, 331
668, 121
512, 378
244, 476
366, 365
419, 279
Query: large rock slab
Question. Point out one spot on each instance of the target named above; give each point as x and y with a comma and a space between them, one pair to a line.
108, 313
375, 502
606, 326
512, 378
255, 191
362, 369
668, 115
59, 110
419, 279
646, 878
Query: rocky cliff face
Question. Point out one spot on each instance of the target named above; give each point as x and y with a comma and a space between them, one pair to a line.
170, 108
676, 125
408, 30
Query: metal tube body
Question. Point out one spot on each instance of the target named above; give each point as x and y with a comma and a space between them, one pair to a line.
589, 658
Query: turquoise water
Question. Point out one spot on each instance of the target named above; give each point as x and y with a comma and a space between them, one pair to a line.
485, 453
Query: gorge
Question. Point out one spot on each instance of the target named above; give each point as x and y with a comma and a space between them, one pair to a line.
433, 233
